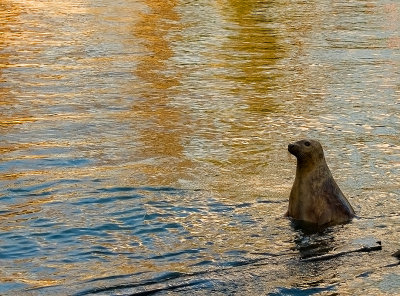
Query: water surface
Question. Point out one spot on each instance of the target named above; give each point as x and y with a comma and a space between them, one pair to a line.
143, 145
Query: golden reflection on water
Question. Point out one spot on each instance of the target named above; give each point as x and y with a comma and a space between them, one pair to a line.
9, 13
162, 128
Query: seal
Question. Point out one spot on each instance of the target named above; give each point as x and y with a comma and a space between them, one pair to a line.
315, 197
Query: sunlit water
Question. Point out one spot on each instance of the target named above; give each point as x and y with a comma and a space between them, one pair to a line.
144, 145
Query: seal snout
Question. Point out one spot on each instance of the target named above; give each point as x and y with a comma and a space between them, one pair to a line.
292, 148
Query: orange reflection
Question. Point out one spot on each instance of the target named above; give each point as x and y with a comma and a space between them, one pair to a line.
255, 48
162, 127
9, 13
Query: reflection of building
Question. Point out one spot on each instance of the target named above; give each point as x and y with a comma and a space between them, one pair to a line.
254, 50
8, 116
162, 128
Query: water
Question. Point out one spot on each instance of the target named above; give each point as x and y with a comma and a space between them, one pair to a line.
143, 145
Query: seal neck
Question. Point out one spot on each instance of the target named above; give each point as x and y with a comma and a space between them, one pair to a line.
306, 166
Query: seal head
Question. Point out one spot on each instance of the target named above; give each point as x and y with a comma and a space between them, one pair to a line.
315, 197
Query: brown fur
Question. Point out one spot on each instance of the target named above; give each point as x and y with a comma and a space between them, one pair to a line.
315, 197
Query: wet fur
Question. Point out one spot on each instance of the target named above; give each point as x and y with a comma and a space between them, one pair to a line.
315, 197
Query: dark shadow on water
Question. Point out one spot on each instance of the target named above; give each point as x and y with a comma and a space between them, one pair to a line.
312, 240
307, 228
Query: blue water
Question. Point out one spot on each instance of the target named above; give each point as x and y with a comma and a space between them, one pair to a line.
143, 145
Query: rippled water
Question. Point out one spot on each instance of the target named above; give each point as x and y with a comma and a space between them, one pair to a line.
143, 145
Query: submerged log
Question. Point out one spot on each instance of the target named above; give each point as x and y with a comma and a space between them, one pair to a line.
378, 247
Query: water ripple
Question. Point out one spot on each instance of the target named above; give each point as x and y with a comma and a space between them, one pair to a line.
144, 144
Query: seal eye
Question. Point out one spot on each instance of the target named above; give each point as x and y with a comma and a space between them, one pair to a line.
307, 143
